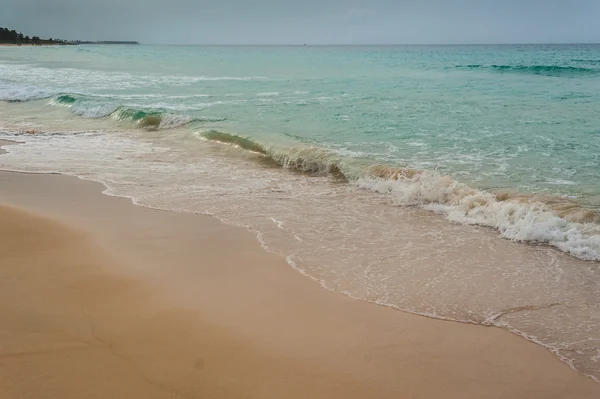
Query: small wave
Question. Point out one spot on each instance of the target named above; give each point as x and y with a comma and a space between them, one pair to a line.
66, 99
157, 119
558, 222
90, 107
232, 139
391, 173
588, 61
133, 115
544, 70
571, 96
152, 119
309, 159
82, 107
313, 159
306, 159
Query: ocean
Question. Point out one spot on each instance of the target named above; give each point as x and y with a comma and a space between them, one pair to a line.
455, 182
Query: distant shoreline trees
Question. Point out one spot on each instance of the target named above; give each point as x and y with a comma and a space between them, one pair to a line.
13, 37
8, 36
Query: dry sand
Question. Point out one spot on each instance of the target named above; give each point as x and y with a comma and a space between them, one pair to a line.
100, 298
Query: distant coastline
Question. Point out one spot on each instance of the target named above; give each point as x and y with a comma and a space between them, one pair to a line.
105, 42
13, 38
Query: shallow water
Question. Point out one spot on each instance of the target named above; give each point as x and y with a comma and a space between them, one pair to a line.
350, 162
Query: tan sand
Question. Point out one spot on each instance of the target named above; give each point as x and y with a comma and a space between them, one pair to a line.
111, 300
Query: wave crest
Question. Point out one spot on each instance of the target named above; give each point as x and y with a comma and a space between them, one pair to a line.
144, 118
545, 70
558, 222
306, 159
232, 139
309, 159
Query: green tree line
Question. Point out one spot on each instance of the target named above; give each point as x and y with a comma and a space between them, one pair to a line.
14, 37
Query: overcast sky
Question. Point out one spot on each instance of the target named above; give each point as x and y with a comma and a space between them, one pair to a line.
308, 21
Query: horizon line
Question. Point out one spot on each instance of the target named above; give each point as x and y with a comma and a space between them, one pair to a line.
368, 44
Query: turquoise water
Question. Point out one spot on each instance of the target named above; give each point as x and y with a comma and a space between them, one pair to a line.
514, 117
395, 143
521, 119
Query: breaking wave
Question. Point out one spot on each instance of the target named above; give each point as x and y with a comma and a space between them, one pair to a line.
306, 159
101, 107
144, 118
559, 222
556, 221
235, 140
545, 70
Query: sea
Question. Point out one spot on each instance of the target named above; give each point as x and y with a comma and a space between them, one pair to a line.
454, 182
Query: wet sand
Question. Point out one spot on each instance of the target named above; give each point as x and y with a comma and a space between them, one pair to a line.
101, 298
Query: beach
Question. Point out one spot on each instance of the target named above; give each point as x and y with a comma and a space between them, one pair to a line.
102, 298
300, 221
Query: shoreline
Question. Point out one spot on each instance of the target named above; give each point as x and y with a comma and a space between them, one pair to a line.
572, 232
104, 188
257, 295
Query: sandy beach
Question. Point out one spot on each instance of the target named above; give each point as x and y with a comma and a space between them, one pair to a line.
102, 298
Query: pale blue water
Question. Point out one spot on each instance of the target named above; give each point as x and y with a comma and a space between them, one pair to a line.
506, 137
517, 117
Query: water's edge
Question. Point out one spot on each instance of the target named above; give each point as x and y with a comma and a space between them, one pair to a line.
490, 322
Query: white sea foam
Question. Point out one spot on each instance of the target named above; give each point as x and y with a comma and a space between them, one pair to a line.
561, 182
18, 92
87, 109
70, 79
151, 96
519, 219
169, 121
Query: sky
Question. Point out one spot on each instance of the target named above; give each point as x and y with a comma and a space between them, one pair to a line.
308, 21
